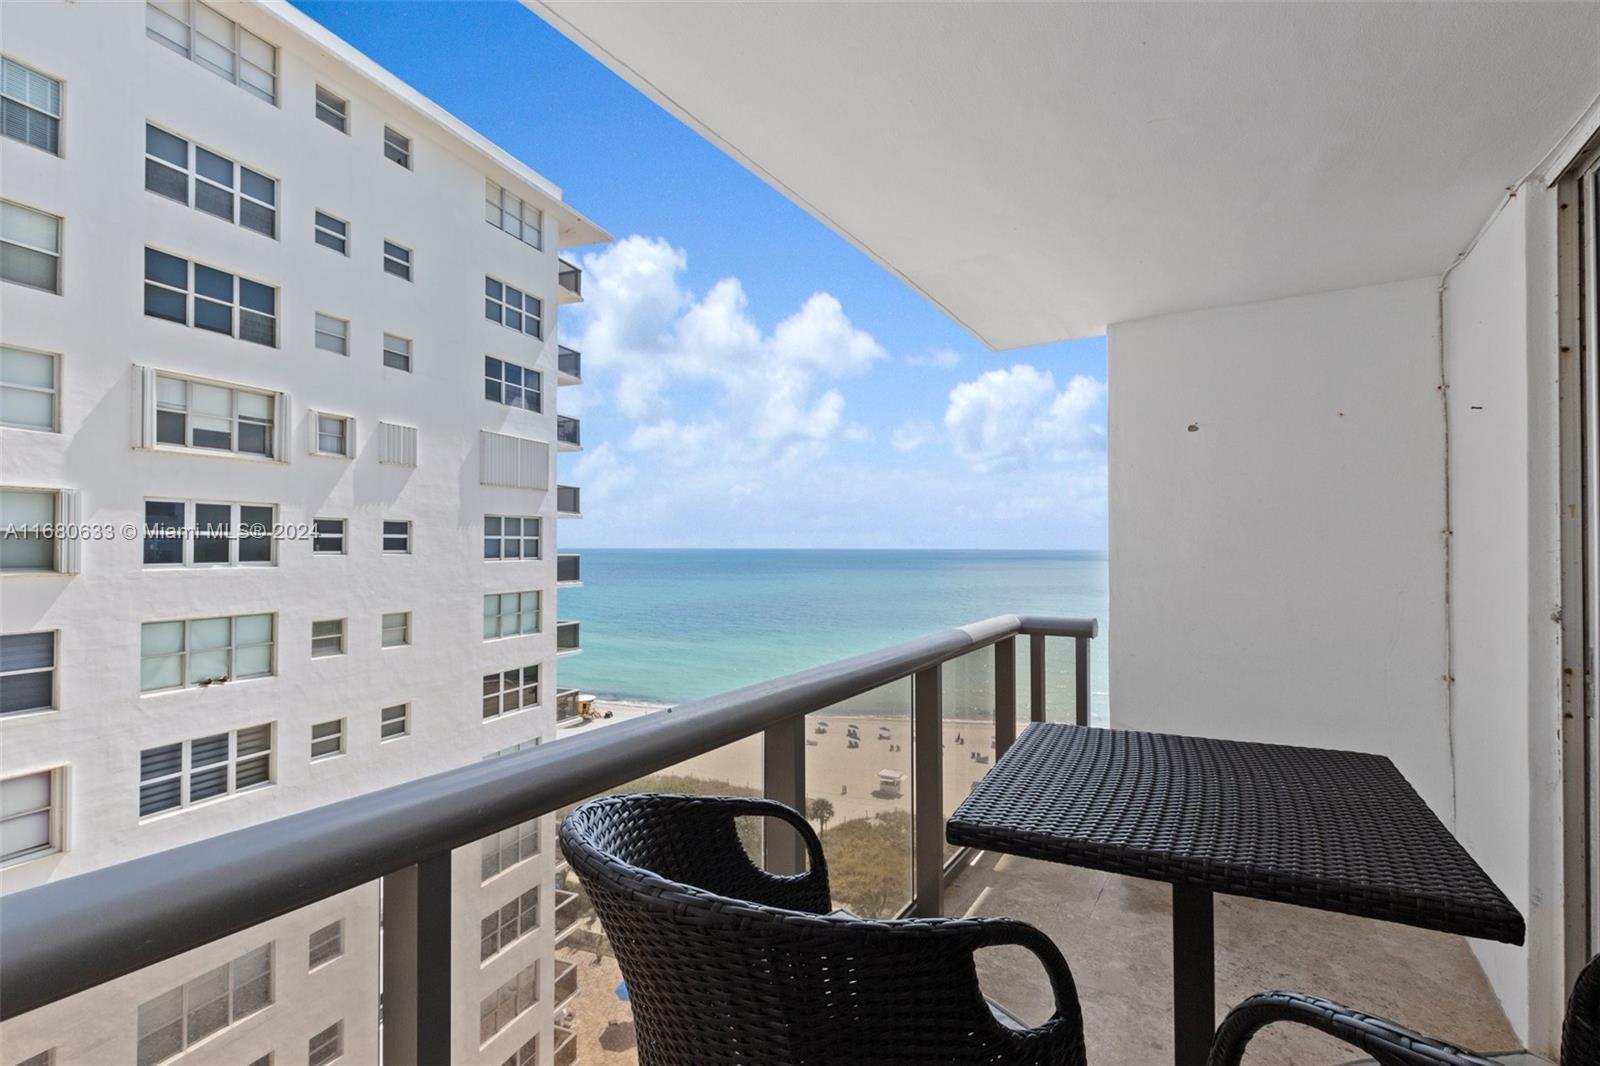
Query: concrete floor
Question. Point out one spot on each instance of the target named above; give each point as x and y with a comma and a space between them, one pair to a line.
1116, 935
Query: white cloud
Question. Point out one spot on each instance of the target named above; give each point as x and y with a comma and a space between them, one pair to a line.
944, 358
909, 436
773, 396
1007, 419
601, 474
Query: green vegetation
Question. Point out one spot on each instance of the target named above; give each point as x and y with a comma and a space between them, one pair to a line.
869, 863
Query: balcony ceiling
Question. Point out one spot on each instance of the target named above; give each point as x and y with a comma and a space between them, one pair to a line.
1041, 170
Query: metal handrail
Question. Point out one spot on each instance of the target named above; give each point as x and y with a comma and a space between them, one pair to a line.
71, 935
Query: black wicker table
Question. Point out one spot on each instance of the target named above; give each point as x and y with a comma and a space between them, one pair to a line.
1334, 830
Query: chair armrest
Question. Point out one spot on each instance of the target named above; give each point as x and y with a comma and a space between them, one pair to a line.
734, 806
999, 932
1389, 1044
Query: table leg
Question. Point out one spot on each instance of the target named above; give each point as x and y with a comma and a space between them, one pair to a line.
1194, 994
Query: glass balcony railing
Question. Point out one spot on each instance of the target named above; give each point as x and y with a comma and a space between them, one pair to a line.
566, 1047
567, 637
568, 501
567, 433
568, 570
566, 705
570, 278
566, 982
569, 365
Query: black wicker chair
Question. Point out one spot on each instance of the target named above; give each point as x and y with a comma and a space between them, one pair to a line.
1392, 1045
728, 965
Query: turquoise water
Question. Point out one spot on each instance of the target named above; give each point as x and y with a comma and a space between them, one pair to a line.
672, 625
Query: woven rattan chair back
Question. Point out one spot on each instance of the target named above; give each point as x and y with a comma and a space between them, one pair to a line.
728, 965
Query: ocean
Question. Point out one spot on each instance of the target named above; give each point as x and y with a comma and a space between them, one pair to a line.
669, 625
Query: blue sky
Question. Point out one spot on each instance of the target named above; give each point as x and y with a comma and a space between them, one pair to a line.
750, 379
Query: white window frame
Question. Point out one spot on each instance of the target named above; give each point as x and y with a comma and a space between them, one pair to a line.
56, 519
526, 1055
182, 12
235, 419
348, 431
500, 203
188, 1008
341, 636
55, 658
238, 312
193, 179
325, 945
32, 106
341, 536
396, 147
497, 600
499, 384
53, 253
403, 536
400, 347
319, 229
185, 650
331, 109
389, 626
397, 260
53, 391
332, 333
507, 849
500, 538
507, 924
504, 694
507, 1003
184, 775
393, 715
54, 810
326, 1046
498, 307
189, 533
335, 730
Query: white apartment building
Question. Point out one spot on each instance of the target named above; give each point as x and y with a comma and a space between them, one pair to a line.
257, 288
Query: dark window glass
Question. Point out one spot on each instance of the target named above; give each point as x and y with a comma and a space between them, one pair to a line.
164, 145
166, 269
255, 529
213, 283
213, 166
162, 521
170, 427
164, 303
211, 524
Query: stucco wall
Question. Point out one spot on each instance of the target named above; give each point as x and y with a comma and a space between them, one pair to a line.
1277, 504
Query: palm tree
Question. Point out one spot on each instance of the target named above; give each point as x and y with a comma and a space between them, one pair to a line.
820, 811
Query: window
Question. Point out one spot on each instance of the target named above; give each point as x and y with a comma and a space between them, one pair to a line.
397, 260
221, 187
514, 462
512, 385
334, 110
333, 233
327, 739
47, 1057
505, 691
510, 846
510, 614
326, 1045
501, 928
30, 247
27, 672
512, 307
510, 537
396, 352
204, 651
526, 1055
396, 629
221, 303
265, 1060
216, 42
28, 389
397, 537
510, 213
27, 534
394, 722
333, 334
196, 414
327, 638
326, 944
192, 533
502, 1006
178, 775
30, 106
397, 146
333, 435
328, 536
30, 816
213, 1001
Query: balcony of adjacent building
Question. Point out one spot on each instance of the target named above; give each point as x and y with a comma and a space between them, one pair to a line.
569, 437
566, 1049
568, 502
569, 279
568, 570
566, 983
567, 706
569, 366
567, 638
